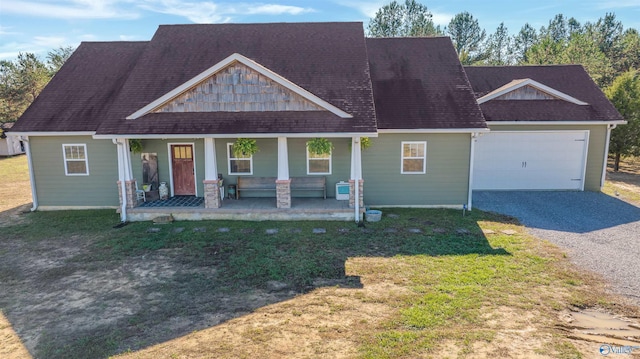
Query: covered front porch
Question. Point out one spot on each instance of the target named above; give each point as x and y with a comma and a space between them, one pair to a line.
249, 209
209, 161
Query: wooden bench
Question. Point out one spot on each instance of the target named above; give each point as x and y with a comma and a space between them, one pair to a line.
255, 184
316, 183
269, 184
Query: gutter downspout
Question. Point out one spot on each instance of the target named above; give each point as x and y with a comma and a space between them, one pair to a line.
357, 160
121, 169
32, 178
606, 154
472, 152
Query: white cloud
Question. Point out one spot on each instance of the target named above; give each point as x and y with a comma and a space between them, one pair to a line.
617, 4
49, 41
5, 30
441, 18
213, 12
88, 37
68, 9
273, 9
366, 8
127, 37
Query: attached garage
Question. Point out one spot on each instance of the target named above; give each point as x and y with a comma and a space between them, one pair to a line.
531, 160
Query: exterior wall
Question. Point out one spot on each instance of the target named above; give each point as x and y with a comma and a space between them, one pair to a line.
445, 183
595, 151
55, 189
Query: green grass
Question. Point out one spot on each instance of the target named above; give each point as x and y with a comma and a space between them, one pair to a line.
14, 169
453, 279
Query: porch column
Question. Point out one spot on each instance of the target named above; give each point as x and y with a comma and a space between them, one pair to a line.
283, 183
211, 186
126, 183
356, 177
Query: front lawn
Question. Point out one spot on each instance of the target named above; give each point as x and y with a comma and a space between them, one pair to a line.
419, 283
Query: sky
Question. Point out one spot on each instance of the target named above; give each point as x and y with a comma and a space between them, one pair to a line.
40, 26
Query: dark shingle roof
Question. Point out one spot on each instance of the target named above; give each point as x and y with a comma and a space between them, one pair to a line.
79, 95
326, 59
572, 80
419, 84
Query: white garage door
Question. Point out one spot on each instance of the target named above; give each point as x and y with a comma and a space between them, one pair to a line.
530, 160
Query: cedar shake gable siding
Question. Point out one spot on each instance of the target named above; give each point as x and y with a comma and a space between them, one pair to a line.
419, 83
572, 80
327, 59
78, 97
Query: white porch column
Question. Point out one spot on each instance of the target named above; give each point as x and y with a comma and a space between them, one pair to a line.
283, 183
283, 159
127, 158
356, 182
212, 198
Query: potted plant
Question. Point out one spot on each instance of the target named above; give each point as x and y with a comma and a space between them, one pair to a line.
319, 146
244, 147
365, 143
135, 145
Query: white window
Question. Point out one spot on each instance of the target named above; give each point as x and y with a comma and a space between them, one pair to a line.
238, 165
318, 164
75, 159
414, 157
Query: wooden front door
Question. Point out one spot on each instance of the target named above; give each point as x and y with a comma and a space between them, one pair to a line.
184, 183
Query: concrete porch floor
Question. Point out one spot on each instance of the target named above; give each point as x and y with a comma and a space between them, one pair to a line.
254, 209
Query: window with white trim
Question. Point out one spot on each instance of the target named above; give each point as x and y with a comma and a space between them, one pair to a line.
414, 157
318, 164
238, 165
75, 159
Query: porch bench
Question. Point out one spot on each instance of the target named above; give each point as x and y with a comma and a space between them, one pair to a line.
255, 184
269, 184
318, 183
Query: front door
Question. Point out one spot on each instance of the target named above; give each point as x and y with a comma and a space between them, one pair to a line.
184, 183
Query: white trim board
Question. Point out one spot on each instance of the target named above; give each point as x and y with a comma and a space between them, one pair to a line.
53, 133
435, 130
516, 84
558, 123
252, 65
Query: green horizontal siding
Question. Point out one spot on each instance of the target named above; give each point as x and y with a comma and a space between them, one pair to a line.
595, 151
446, 181
54, 188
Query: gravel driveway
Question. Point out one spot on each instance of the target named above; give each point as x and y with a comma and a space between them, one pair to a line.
599, 232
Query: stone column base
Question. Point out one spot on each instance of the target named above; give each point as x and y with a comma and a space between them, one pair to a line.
211, 194
283, 193
352, 193
130, 188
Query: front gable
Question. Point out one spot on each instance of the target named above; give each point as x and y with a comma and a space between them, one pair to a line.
238, 84
527, 89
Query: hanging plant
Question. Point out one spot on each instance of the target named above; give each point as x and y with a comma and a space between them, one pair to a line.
319, 146
365, 143
244, 147
135, 145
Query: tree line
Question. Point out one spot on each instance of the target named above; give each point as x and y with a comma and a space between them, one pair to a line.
609, 53
22, 79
